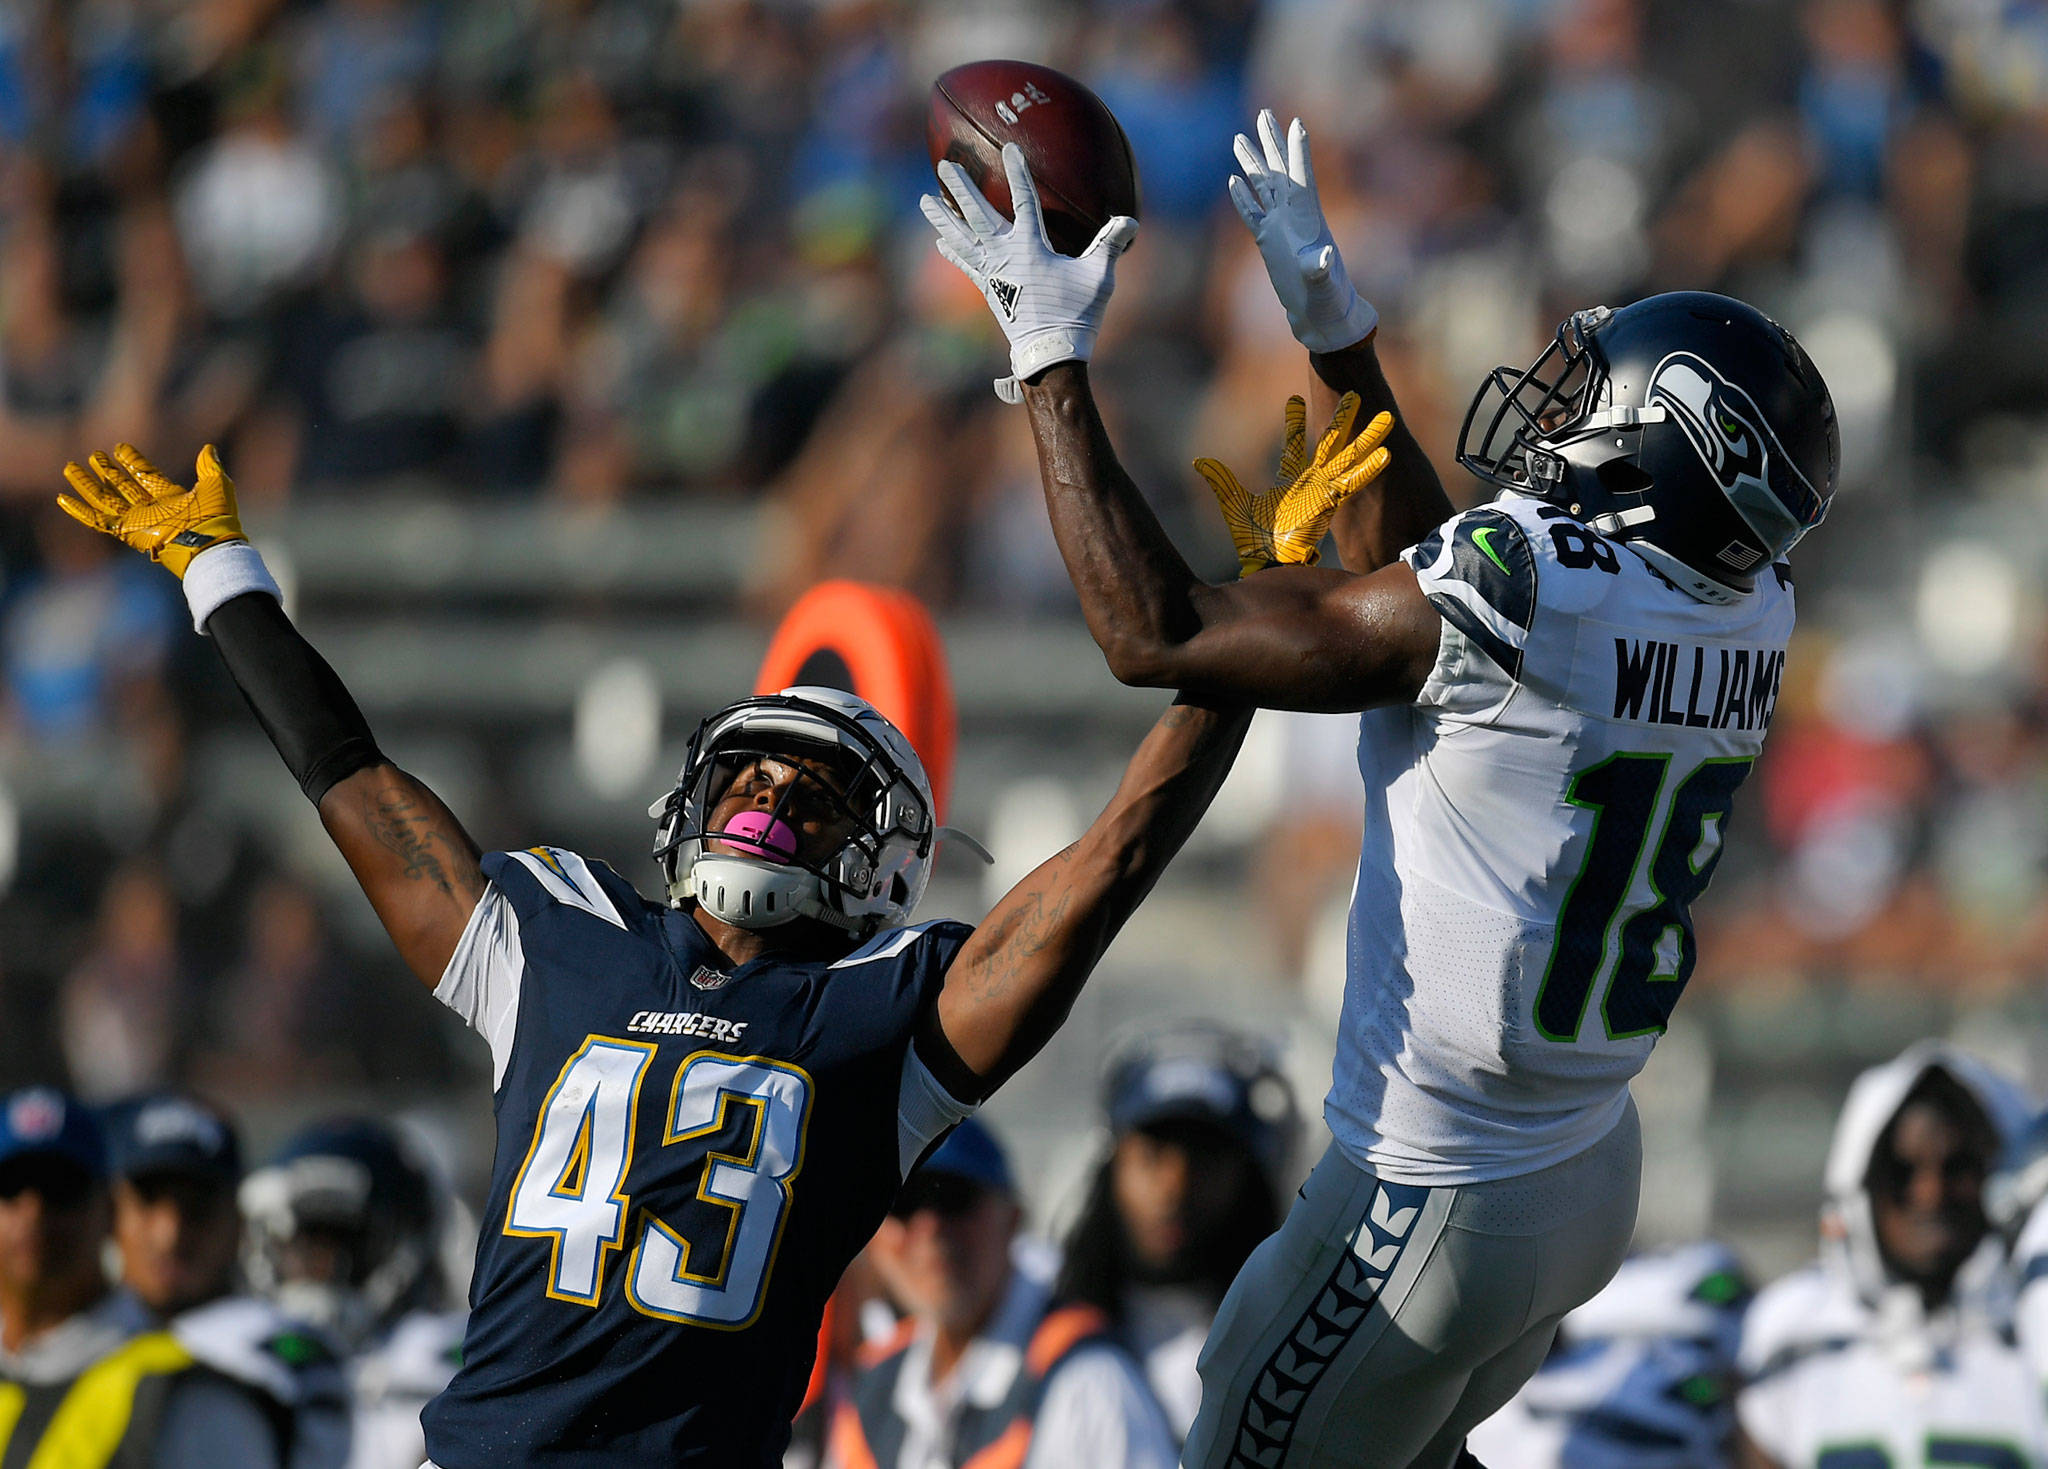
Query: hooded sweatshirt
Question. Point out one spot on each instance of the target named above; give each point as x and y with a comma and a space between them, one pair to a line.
1844, 1352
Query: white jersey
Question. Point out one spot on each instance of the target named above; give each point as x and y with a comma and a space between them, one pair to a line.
252, 1342
394, 1378
2030, 1308
1537, 824
1834, 1385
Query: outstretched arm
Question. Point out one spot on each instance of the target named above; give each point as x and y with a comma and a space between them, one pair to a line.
1276, 197
1293, 637
1013, 983
415, 862
1407, 501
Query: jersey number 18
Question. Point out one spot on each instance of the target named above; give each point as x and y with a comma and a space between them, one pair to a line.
1657, 949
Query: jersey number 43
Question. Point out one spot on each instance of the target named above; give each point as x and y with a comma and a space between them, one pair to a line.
570, 1189
1657, 948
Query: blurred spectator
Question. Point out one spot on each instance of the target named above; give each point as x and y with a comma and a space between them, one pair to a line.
982, 1357
258, 208
344, 1232
1202, 1128
84, 641
1900, 1335
597, 251
120, 1008
59, 1318
176, 1164
284, 1011
354, 54
1641, 1377
378, 378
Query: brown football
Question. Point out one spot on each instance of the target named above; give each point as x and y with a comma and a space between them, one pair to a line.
1078, 153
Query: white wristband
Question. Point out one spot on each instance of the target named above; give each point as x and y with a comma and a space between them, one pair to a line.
221, 573
1359, 321
1049, 348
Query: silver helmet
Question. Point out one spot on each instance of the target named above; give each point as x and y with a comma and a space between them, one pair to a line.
756, 878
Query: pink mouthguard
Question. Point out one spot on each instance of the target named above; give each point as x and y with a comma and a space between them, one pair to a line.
760, 834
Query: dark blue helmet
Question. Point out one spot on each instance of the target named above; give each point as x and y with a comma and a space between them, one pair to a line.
1202, 1072
1690, 425
342, 1228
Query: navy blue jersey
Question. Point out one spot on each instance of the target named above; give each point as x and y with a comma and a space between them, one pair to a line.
688, 1155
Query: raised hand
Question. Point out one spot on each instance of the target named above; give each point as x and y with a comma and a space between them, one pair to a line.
1286, 524
130, 499
1276, 197
1049, 305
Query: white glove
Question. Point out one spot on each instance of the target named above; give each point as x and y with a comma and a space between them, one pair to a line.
1277, 200
1049, 305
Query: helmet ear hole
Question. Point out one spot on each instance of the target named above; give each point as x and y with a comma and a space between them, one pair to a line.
899, 890
1620, 477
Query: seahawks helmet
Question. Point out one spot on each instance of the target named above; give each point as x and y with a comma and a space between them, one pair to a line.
1689, 425
855, 764
341, 1229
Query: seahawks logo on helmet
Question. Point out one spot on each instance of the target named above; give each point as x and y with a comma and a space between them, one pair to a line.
1728, 432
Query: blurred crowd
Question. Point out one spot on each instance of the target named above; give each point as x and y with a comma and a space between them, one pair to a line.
302, 1312
592, 252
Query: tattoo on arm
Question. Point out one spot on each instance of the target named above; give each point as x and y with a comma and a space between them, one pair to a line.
1011, 987
418, 867
1024, 932
406, 828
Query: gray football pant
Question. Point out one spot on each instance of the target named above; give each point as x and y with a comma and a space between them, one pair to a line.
1384, 1321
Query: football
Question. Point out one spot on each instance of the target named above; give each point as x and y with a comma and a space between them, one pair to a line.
1077, 150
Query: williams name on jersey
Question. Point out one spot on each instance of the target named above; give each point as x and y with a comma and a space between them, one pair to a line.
1538, 823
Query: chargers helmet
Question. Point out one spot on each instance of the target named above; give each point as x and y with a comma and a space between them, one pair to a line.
1689, 425
341, 1229
872, 880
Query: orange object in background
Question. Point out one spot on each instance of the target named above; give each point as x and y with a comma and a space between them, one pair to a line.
880, 643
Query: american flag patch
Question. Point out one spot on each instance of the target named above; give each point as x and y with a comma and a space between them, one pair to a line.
1739, 556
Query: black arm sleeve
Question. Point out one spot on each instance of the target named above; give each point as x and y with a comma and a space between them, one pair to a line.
295, 696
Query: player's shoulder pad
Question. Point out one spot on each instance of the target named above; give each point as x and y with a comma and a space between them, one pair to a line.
249, 1340
1480, 573
422, 1353
540, 878
940, 935
2030, 1250
1794, 1318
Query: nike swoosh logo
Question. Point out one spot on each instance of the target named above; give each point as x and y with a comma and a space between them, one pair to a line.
1479, 539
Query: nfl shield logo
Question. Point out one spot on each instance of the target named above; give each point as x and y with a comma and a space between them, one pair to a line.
707, 978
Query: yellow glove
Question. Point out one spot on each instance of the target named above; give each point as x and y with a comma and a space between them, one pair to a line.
129, 499
1286, 524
